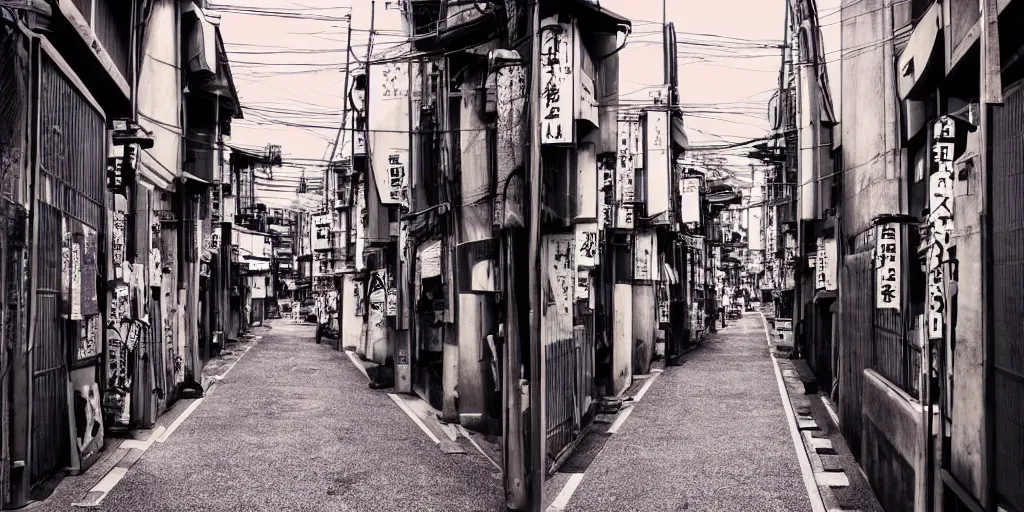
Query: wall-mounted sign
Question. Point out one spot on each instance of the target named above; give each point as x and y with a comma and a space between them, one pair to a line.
389, 127
556, 78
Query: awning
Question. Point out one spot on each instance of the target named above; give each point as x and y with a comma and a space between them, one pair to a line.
207, 67
202, 41
920, 55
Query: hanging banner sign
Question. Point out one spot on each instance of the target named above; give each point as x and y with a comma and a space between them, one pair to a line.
557, 84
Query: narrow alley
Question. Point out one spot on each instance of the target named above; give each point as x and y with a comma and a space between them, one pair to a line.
515, 255
294, 427
710, 435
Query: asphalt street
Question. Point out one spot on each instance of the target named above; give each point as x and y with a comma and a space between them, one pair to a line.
710, 435
294, 426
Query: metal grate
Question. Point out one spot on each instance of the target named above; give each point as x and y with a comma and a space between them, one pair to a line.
1008, 303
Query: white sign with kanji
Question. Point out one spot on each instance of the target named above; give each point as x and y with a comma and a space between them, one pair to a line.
888, 292
556, 83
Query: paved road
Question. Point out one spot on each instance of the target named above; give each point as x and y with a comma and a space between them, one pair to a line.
295, 427
709, 435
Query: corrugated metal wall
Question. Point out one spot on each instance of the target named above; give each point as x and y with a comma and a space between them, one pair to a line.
855, 345
1008, 306
71, 186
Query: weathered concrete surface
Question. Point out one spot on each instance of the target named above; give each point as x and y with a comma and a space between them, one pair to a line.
709, 435
295, 427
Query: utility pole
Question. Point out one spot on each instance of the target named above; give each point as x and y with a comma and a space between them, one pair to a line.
339, 140
537, 420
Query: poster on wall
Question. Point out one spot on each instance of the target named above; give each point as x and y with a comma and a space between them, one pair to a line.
559, 286
557, 84
88, 419
888, 292
88, 338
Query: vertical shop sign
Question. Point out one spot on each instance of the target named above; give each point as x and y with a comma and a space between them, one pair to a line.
689, 192
644, 257
888, 293
657, 161
940, 223
397, 159
586, 245
819, 266
556, 93
389, 127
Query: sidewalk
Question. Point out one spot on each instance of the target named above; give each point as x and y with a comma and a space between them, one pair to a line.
709, 435
295, 427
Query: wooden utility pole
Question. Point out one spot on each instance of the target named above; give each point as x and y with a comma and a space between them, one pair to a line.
538, 428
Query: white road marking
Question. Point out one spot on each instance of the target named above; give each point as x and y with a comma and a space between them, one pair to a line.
831, 411
416, 419
465, 434
144, 444
355, 360
180, 419
562, 500
636, 399
813, 493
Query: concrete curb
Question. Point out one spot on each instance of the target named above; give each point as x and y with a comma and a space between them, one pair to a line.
810, 475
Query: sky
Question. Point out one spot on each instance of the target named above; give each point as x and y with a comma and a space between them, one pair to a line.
288, 60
